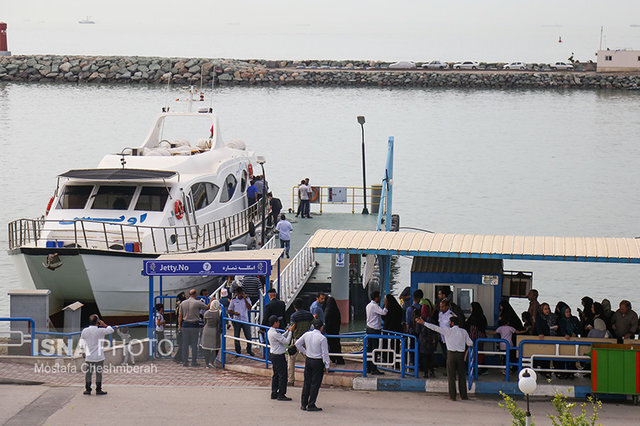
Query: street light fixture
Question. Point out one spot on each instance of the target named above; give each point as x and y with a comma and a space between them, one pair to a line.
261, 160
364, 172
527, 384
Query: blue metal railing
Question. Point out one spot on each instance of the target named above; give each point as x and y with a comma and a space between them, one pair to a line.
69, 336
32, 328
408, 348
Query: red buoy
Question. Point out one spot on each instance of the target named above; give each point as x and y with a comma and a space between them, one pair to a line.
4, 50
560, 39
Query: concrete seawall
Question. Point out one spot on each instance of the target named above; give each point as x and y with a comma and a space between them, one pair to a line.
231, 72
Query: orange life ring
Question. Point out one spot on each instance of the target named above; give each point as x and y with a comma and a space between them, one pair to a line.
179, 209
49, 206
250, 169
313, 197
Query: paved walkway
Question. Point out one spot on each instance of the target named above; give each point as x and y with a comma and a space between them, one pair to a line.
157, 373
135, 405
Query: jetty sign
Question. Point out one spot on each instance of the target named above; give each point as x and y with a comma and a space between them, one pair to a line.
205, 267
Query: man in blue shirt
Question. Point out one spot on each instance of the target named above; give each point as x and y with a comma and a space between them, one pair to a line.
239, 309
316, 308
417, 296
251, 193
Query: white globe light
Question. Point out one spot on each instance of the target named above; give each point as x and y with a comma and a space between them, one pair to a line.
527, 385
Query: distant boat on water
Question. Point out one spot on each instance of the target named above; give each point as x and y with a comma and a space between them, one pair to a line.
87, 20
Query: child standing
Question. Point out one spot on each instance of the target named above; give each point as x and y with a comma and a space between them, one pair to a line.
160, 321
127, 355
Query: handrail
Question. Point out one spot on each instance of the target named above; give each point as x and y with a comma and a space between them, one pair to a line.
353, 197
32, 328
295, 274
112, 236
557, 356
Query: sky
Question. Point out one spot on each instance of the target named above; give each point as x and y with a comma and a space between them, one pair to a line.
453, 30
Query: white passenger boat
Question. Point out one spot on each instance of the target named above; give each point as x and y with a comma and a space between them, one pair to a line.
182, 190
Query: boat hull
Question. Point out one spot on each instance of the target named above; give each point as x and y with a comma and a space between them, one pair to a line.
111, 280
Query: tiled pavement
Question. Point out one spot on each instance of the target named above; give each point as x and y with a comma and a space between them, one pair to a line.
156, 373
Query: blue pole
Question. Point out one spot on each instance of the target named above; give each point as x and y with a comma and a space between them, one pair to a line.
402, 356
389, 177
223, 347
364, 356
150, 325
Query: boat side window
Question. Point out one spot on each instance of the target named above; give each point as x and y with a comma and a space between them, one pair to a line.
243, 182
203, 194
152, 198
111, 197
230, 184
75, 196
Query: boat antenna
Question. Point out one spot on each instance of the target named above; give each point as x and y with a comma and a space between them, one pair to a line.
213, 80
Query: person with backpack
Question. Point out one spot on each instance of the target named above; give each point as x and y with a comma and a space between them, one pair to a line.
302, 319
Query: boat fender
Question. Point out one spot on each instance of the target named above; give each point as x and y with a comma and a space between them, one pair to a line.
49, 206
252, 229
179, 209
227, 245
250, 169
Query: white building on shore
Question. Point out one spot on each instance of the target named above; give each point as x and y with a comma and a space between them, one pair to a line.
618, 60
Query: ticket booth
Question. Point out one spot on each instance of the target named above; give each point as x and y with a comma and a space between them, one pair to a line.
470, 280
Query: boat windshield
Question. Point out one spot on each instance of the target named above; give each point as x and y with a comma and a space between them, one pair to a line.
113, 197
75, 196
152, 198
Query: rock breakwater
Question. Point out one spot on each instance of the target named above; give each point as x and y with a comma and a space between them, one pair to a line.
229, 72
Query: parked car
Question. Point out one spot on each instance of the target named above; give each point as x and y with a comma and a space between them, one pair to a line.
403, 65
466, 65
436, 65
515, 66
561, 66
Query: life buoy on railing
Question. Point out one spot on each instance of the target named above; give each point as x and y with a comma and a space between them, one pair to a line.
179, 209
49, 206
250, 170
315, 193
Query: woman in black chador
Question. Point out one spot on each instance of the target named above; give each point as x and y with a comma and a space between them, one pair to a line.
332, 320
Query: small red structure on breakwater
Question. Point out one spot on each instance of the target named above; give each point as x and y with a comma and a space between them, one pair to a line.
4, 50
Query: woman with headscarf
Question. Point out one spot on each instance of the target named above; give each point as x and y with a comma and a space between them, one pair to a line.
546, 325
427, 341
568, 326
476, 326
599, 329
392, 321
210, 339
177, 358
560, 307
332, 320
509, 315
586, 315
607, 314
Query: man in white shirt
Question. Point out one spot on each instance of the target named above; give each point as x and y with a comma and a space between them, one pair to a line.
443, 320
239, 309
284, 229
457, 340
313, 345
374, 326
278, 346
92, 340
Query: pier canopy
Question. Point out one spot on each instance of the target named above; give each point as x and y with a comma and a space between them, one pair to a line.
576, 249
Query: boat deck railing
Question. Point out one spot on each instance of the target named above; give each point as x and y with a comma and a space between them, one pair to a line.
109, 236
323, 196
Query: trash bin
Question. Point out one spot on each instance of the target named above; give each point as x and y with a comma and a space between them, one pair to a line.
615, 369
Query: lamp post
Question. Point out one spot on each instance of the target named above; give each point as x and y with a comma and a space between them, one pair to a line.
364, 171
261, 161
527, 385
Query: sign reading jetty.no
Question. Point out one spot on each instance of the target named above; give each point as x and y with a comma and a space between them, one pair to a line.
206, 267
